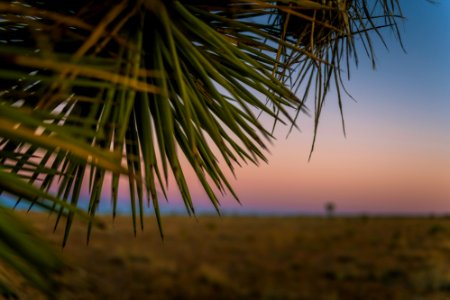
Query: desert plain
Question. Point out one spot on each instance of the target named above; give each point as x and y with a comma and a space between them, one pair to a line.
251, 257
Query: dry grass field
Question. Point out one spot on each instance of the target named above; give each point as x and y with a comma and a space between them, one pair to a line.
254, 258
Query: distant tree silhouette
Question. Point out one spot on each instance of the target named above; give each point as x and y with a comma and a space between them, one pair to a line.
330, 208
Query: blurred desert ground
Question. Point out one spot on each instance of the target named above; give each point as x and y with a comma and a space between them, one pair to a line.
231, 257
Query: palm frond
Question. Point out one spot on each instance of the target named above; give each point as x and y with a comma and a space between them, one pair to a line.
103, 89
126, 88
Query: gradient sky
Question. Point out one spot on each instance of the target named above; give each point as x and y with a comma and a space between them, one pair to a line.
396, 157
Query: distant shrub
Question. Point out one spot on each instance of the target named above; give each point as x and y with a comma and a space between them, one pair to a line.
436, 229
393, 275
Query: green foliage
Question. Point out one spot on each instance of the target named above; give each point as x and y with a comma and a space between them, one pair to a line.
91, 90
128, 87
21, 249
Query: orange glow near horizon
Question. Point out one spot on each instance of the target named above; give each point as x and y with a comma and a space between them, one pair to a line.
385, 165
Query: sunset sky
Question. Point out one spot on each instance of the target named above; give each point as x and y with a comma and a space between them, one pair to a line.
396, 157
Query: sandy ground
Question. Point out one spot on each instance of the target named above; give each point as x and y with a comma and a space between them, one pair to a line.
253, 258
